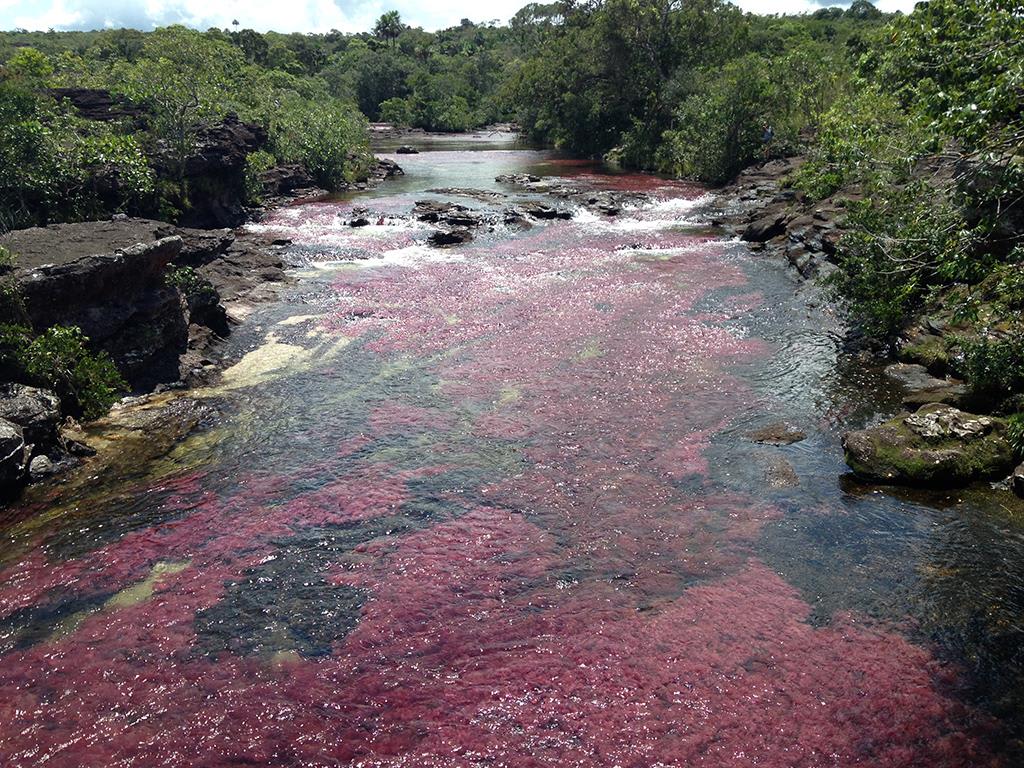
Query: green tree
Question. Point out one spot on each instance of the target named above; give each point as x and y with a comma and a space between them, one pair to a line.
388, 27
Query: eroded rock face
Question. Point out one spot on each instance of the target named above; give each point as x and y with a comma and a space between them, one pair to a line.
215, 172
938, 446
119, 299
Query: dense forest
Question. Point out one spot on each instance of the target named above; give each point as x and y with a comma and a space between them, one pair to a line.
915, 119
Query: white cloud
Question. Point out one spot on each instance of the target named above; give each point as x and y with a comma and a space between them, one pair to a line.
297, 15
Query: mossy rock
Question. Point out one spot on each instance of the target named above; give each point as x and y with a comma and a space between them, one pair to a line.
927, 350
939, 446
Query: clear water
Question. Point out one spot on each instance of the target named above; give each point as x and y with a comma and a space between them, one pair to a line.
496, 506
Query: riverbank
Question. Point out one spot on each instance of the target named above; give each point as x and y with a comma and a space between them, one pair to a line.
948, 434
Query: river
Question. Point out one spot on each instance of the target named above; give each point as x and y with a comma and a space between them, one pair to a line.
498, 505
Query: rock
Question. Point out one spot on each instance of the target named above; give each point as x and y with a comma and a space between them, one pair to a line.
35, 411
215, 172
541, 211
12, 456
937, 446
780, 474
433, 211
40, 467
517, 179
407, 150
359, 221
385, 169
765, 228
102, 106
82, 274
286, 179
1017, 481
443, 238
926, 349
779, 433
921, 387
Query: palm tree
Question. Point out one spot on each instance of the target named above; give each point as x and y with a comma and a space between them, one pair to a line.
389, 27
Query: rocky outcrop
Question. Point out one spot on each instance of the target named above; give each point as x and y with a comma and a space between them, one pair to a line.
446, 238
1017, 480
117, 295
215, 173
937, 446
605, 202
101, 106
759, 209
35, 411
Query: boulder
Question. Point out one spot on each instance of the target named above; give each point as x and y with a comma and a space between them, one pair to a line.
12, 456
922, 388
446, 238
765, 228
1017, 481
407, 150
541, 211
40, 467
35, 411
939, 446
286, 179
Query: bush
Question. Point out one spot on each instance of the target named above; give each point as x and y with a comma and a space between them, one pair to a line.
328, 138
255, 164
87, 383
397, 111
7, 259
901, 243
993, 368
1015, 434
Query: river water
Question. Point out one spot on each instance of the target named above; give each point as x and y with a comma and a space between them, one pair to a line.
498, 506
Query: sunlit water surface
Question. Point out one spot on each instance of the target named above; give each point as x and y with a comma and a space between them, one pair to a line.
496, 506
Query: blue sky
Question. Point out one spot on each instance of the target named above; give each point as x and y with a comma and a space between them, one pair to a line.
298, 15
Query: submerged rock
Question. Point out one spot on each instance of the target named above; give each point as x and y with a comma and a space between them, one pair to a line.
779, 433
405, 149
938, 446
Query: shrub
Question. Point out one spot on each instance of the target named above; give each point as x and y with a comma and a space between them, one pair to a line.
87, 383
328, 138
7, 259
901, 243
992, 367
255, 164
1015, 433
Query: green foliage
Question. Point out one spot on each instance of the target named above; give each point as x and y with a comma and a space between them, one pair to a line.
993, 367
328, 138
859, 139
186, 78
397, 111
87, 383
901, 243
191, 284
7, 259
1015, 434
255, 165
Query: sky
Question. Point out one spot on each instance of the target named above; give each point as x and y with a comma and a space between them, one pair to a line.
301, 15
